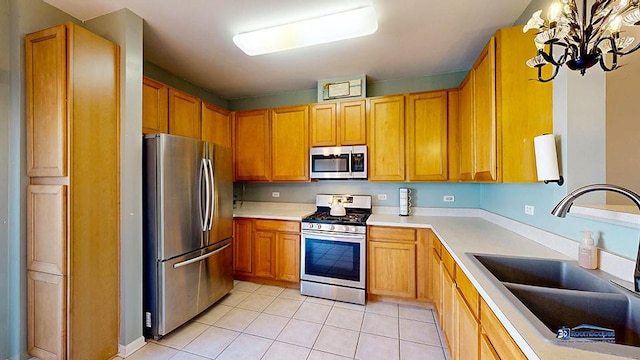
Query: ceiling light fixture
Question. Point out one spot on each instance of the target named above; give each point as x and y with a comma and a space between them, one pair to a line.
583, 42
339, 26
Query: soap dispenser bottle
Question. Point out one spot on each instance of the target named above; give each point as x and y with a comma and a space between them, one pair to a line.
587, 252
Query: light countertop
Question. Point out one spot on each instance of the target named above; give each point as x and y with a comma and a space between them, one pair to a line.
462, 235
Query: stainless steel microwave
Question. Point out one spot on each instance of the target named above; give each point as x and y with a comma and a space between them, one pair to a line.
341, 162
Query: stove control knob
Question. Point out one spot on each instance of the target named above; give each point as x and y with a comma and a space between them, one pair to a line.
319, 226
332, 227
348, 228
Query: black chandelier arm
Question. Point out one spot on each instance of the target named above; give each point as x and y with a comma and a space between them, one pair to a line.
549, 57
613, 51
555, 72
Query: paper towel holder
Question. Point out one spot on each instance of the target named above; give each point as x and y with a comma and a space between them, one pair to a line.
547, 159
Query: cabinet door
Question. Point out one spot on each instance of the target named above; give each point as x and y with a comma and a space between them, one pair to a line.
448, 287
465, 128
184, 114
498, 336
436, 280
524, 107
288, 257
323, 118
216, 124
242, 246
453, 137
467, 333
46, 88
264, 257
485, 139
426, 135
386, 138
392, 269
252, 153
290, 144
352, 127
47, 228
46, 319
155, 107
487, 352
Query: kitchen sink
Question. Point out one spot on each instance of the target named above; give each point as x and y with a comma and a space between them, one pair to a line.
556, 294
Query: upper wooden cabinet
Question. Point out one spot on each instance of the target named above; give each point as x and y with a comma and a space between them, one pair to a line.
426, 136
386, 127
290, 143
272, 144
251, 146
184, 114
501, 110
338, 124
216, 124
155, 106
524, 106
73, 204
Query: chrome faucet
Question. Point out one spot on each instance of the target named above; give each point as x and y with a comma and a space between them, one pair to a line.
564, 205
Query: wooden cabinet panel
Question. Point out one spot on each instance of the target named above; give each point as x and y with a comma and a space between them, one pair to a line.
323, 124
46, 79
524, 107
487, 352
469, 293
277, 225
290, 144
242, 246
352, 128
436, 283
155, 106
465, 128
485, 140
448, 316
426, 134
424, 284
467, 334
46, 315
392, 269
264, 257
386, 138
216, 124
288, 257
47, 228
453, 125
184, 114
252, 147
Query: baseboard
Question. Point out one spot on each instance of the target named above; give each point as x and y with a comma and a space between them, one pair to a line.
126, 350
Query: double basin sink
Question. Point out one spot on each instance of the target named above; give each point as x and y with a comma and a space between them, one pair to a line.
556, 294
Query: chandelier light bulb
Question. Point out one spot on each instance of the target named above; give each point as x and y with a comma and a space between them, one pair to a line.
615, 25
555, 11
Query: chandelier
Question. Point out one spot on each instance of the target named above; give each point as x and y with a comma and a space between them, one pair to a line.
581, 40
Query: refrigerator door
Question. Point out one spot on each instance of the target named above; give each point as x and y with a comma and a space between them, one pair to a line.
216, 274
180, 195
222, 224
178, 281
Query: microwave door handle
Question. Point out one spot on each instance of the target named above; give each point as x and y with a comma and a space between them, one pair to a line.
350, 161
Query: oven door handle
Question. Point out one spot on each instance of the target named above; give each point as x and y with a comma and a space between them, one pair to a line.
334, 237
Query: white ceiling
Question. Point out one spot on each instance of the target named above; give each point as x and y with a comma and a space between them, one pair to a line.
192, 39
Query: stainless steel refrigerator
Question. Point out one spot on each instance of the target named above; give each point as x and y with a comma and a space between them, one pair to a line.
187, 215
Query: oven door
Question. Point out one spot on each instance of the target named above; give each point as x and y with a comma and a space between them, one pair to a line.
338, 259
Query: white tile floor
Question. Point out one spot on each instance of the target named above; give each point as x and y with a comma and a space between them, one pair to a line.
268, 322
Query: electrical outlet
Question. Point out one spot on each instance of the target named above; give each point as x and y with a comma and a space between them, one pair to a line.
382, 196
448, 198
529, 209
275, 194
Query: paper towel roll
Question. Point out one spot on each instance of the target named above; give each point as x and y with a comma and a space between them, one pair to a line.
546, 157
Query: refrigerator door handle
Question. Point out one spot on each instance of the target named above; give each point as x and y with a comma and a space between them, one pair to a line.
207, 196
212, 192
201, 257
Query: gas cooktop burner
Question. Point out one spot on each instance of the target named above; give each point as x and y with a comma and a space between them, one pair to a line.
351, 218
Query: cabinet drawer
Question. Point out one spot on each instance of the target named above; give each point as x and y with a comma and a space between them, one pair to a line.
437, 246
448, 262
469, 293
278, 225
498, 336
379, 233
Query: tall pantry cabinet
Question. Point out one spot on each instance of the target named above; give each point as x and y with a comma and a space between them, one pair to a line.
73, 216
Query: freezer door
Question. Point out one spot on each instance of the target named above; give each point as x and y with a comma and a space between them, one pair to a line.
216, 274
222, 224
179, 196
178, 291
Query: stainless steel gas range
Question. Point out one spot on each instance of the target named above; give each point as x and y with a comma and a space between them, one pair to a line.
333, 249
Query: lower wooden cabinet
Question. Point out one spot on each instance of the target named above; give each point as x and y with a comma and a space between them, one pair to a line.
46, 299
266, 249
496, 342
